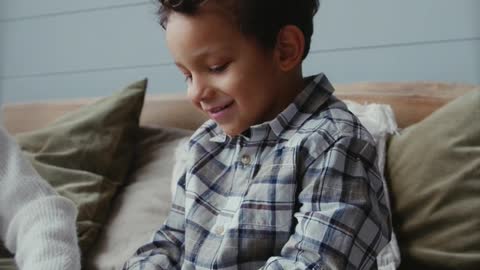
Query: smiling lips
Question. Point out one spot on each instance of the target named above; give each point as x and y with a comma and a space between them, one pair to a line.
216, 113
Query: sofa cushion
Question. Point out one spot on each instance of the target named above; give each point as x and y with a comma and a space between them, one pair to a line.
434, 172
142, 205
85, 154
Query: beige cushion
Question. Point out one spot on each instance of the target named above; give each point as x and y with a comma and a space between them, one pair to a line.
434, 170
143, 203
85, 155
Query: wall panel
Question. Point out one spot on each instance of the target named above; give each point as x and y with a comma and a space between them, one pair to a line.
101, 39
28, 9
453, 62
351, 24
130, 36
55, 49
447, 62
162, 79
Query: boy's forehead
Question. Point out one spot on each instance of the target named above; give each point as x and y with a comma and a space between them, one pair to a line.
208, 33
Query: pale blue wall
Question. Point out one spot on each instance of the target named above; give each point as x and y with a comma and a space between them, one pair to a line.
2, 10
56, 49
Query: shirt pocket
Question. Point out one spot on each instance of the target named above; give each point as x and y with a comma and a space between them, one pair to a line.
270, 199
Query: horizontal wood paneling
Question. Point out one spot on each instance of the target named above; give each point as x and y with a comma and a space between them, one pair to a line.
55, 49
84, 41
347, 24
90, 84
448, 62
130, 36
28, 9
3, 11
452, 62
1, 52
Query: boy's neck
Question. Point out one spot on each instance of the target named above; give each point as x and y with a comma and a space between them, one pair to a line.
291, 86
288, 86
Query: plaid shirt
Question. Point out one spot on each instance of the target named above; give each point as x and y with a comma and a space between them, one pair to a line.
299, 192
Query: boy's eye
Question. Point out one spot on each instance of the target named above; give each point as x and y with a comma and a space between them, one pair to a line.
218, 68
188, 78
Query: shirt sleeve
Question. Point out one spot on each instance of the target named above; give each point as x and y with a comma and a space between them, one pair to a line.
165, 251
343, 220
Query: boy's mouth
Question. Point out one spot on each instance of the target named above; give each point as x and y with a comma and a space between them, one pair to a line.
216, 113
220, 108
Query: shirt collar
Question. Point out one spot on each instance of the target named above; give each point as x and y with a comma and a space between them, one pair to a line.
309, 100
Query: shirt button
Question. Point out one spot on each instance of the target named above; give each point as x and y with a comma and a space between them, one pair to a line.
219, 230
246, 159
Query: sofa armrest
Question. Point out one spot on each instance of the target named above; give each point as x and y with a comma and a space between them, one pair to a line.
411, 102
159, 110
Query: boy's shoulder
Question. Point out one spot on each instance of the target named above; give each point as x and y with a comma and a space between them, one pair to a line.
336, 120
328, 124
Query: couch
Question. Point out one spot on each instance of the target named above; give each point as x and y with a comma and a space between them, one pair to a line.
140, 200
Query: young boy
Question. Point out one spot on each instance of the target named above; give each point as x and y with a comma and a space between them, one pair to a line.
283, 176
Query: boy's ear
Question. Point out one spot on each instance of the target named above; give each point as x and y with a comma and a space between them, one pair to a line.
289, 48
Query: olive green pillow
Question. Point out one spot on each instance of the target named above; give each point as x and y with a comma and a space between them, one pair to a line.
434, 174
6, 258
85, 155
7, 264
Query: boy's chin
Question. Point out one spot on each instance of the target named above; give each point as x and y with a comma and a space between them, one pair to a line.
230, 133
231, 130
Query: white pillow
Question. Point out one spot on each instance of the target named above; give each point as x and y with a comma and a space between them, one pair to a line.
180, 161
379, 120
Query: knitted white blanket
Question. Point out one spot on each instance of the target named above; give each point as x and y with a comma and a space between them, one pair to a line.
36, 224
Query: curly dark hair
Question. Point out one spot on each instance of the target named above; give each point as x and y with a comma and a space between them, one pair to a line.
261, 19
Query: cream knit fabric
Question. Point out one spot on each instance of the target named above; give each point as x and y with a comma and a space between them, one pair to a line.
36, 224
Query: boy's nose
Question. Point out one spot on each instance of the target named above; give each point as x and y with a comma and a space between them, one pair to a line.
199, 90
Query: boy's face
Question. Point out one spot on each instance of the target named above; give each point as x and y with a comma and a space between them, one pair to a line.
229, 76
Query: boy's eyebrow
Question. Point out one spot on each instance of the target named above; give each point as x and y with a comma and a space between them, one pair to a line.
203, 52
178, 64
